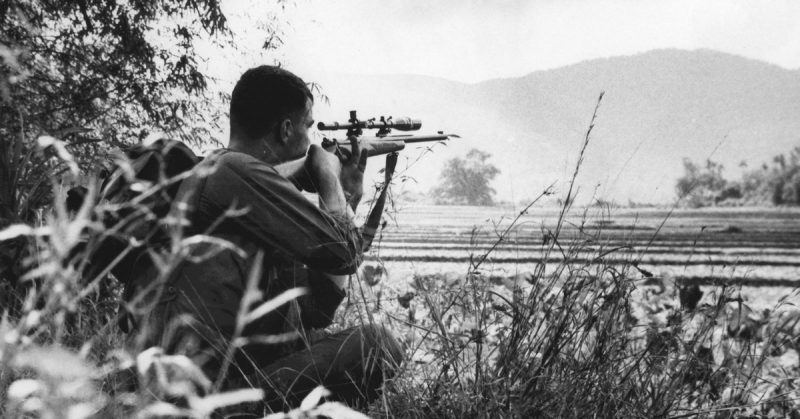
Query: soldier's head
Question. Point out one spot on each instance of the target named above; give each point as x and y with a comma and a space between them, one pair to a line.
271, 110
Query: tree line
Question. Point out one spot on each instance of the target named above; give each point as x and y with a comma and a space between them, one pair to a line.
774, 183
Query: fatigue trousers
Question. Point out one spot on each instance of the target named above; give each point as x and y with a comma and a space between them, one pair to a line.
352, 364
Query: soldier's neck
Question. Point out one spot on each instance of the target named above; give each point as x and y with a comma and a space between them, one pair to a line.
256, 148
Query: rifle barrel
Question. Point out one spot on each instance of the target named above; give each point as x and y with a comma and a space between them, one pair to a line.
408, 138
418, 138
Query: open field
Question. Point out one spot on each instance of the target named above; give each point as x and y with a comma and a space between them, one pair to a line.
752, 247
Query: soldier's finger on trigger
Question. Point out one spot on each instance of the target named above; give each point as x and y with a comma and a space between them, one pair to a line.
340, 154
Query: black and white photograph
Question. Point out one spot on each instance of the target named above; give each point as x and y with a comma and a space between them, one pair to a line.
297, 209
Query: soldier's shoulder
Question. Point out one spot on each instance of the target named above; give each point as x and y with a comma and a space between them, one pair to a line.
225, 157
237, 162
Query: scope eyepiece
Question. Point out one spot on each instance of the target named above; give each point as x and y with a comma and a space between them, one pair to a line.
332, 126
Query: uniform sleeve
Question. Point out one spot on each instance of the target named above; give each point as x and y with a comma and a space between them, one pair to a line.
280, 217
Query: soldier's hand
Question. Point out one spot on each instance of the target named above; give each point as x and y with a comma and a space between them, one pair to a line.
322, 168
352, 174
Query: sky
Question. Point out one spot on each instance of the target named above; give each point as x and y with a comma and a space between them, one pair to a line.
476, 40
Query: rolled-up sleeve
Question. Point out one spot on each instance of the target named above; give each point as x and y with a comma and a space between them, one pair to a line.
278, 216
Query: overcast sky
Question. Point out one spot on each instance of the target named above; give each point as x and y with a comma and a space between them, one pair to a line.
474, 40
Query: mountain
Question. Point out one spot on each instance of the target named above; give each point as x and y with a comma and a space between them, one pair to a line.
659, 107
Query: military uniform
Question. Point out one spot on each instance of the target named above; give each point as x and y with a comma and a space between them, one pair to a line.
247, 203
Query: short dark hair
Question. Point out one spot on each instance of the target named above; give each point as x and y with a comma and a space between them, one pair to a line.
265, 95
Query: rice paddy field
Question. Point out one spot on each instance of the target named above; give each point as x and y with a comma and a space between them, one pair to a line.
757, 249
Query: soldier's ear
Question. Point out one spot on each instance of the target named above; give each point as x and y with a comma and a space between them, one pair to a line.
285, 131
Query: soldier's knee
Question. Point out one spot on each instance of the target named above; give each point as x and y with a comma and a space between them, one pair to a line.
382, 341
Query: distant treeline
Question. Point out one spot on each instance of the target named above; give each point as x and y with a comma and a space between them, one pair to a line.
777, 183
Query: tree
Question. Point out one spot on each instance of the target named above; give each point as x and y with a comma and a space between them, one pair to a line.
465, 181
97, 74
776, 184
93, 73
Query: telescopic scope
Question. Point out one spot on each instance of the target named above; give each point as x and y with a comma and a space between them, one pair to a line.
402, 124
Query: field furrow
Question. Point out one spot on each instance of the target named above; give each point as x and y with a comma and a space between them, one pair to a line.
754, 247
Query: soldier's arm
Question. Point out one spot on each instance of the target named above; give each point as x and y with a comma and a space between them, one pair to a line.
278, 216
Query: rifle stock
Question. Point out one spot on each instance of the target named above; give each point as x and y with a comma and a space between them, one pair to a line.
295, 170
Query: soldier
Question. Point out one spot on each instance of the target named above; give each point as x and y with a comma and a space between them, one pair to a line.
302, 245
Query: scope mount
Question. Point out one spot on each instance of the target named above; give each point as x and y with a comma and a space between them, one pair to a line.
356, 130
355, 127
384, 130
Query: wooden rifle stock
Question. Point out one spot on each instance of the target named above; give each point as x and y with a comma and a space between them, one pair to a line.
295, 170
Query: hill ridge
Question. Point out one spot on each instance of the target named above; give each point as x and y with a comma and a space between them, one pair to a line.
660, 106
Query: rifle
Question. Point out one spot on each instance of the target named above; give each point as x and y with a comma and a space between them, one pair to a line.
381, 143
